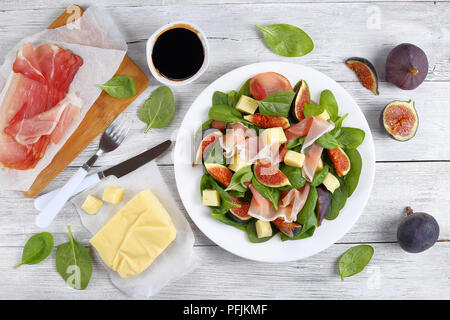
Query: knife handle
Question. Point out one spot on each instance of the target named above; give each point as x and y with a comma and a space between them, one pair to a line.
41, 201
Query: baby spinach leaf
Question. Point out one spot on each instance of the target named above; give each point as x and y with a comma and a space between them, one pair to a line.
328, 100
119, 87
271, 194
320, 176
287, 40
327, 141
350, 138
354, 260
239, 177
238, 194
338, 200
312, 110
216, 155
277, 104
205, 125
74, 263
294, 175
232, 98
352, 177
295, 143
337, 125
158, 110
253, 235
37, 249
219, 98
222, 112
222, 217
244, 90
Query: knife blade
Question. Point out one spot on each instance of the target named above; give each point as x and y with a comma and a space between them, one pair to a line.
118, 171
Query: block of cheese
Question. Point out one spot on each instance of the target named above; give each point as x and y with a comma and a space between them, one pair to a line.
211, 198
294, 159
319, 165
113, 194
273, 135
263, 229
324, 115
238, 163
246, 105
331, 182
92, 204
135, 236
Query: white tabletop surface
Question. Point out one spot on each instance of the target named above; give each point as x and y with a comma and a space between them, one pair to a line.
414, 173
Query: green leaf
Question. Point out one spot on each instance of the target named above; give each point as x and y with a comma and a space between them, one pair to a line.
328, 141
219, 98
205, 125
287, 40
74, 263
338, 200
253, 235
337, 125
225, 219
354, 260
320, 176
232, 98
37, 249
312, 110
158, 110
225, 113
295, 143
271, 194
328, 100
276, 104
239, 177
119, 87
294, 175
352, 177
350, 138
244, 90
216, 155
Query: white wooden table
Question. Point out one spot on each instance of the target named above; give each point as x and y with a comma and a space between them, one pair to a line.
414, 173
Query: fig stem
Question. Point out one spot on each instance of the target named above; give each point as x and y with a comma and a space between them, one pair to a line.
408, 211
413, 70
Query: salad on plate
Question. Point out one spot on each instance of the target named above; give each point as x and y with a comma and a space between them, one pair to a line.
275, 161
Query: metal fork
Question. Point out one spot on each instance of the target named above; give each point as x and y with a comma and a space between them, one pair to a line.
110, 140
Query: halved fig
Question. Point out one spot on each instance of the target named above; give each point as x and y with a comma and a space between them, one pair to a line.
220, 125
267, 121
365, 71
240, 214
340, 161
406, 66
323, 202
206, 144
302, 97
269, 175
219, 172
400, 120
291, 229
264, 84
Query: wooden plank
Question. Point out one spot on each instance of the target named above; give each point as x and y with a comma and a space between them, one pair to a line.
99, 117
397, 185
392, 274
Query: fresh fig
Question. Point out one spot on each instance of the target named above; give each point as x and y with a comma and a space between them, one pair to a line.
406, 66
323, 202
267, 121
340, 161
417, 232
365, 71
291, 229
400, 120
269, 175
264, 84
240, 214
219, 172
302, 97
206, 144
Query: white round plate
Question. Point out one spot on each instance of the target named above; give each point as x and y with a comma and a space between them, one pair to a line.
234, 240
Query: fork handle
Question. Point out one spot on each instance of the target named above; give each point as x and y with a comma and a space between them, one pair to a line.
51, 210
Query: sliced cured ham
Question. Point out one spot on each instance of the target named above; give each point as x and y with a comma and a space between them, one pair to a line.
295, 199
264, 84
35, 110
318, 128
313, 154
300, 129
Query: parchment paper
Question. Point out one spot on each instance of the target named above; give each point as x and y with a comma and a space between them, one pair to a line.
94, 37
173, 262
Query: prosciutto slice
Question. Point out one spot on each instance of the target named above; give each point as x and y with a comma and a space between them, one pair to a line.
35, 110
296, 199
313, 154
318, 128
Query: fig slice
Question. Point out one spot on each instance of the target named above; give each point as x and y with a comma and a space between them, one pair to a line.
323, 202
340, 161
240, 214
406, 66
269, 175
219, 172
365, 71
302, 97
291, 229
206, 144
267, 121
267, 83
400, 120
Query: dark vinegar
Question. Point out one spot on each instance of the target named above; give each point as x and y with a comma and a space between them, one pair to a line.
178, 54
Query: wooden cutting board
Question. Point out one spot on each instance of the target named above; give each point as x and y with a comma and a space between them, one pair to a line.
98, 118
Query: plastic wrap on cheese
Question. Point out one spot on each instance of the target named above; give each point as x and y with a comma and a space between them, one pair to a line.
135, 236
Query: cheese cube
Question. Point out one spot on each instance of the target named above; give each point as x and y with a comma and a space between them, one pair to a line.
331, 182
135, 236
273, 135
319, 165
113, 194
294, 159
238, 163
263, 229
92, 204
246, 105
211, 198
324, 115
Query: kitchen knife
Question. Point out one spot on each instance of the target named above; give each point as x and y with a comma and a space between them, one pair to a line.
118, 171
